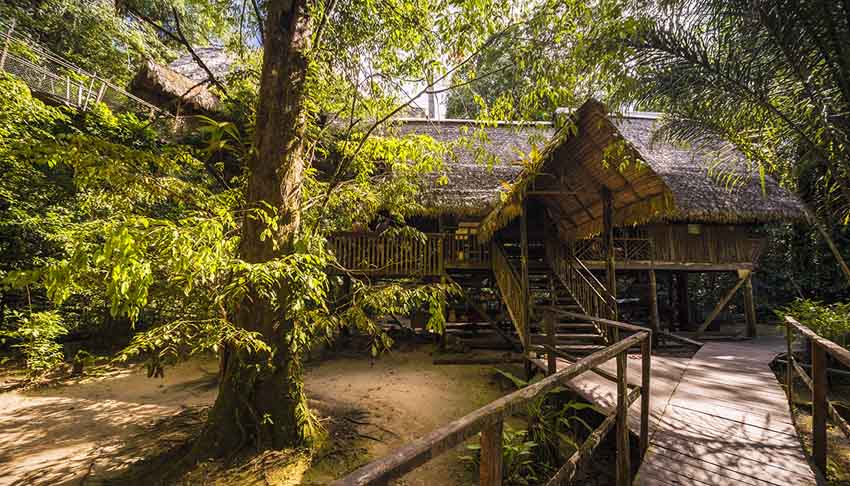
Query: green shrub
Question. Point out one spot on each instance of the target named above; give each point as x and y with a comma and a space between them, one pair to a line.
831, 321
36, 337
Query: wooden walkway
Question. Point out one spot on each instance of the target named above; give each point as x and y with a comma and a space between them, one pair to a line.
719, 418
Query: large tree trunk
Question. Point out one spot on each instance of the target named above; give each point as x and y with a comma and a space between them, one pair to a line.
260, 398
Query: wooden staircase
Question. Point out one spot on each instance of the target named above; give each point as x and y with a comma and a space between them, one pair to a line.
545, 290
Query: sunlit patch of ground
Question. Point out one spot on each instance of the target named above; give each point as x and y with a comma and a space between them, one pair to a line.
95, 428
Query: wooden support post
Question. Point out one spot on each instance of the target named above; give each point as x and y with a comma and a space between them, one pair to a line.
654, 319
720, 305
645, 393
750, 307
526, 300
623, 460
490, 472
551, 359
608, 238
6, 45
789, 367
819, 406
684, 299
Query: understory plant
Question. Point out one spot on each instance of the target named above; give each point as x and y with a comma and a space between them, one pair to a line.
532, 455
832, 321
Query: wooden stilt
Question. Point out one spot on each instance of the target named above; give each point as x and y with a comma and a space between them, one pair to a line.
654, 319
526, 303
551, 359
684, 299
750, 307
720, 305
608, 237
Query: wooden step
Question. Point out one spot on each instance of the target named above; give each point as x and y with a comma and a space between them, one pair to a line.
563, 336
574, 325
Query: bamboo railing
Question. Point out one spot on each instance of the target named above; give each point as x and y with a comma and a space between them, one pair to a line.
489, 420
817, 383
588, 292
382, 255
625, 249
511, 289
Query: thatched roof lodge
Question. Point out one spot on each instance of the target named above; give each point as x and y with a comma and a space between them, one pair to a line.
651, 180
479, 167
182, 86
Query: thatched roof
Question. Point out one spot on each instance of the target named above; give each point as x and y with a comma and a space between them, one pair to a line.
708, 183
479, 169
182, 83
215, 58
650, 179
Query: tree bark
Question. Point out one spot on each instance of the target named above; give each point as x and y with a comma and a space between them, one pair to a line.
260, 399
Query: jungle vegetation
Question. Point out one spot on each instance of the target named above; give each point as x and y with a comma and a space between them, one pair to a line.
213, 239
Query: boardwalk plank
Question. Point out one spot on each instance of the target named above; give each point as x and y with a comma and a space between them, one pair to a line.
720, 418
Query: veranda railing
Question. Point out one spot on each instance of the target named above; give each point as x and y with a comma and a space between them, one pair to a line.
398, 255
817, 384
488, 421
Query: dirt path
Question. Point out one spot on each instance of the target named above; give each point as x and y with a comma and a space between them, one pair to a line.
77, 433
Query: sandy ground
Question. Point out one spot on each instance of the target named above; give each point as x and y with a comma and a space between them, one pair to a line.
82, 432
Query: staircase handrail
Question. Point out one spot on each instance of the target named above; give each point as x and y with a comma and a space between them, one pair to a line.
502, 270
567, 268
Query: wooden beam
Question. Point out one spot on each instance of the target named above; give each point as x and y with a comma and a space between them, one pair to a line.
719, 307
674, 266
576, 198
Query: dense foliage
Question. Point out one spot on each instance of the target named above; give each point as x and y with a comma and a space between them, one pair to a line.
830, 321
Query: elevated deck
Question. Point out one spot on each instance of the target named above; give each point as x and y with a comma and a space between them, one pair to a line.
719, 418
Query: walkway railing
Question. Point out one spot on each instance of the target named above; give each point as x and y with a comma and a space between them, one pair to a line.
50, 75
817, 383
489, 420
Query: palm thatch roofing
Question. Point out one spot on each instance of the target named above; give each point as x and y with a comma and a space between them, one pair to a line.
183, 83
482, 160
650, 179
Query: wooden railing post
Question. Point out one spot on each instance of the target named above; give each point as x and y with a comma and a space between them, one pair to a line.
623, 463
789, 367
819, 406
645, 393
490, 472
551, 359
